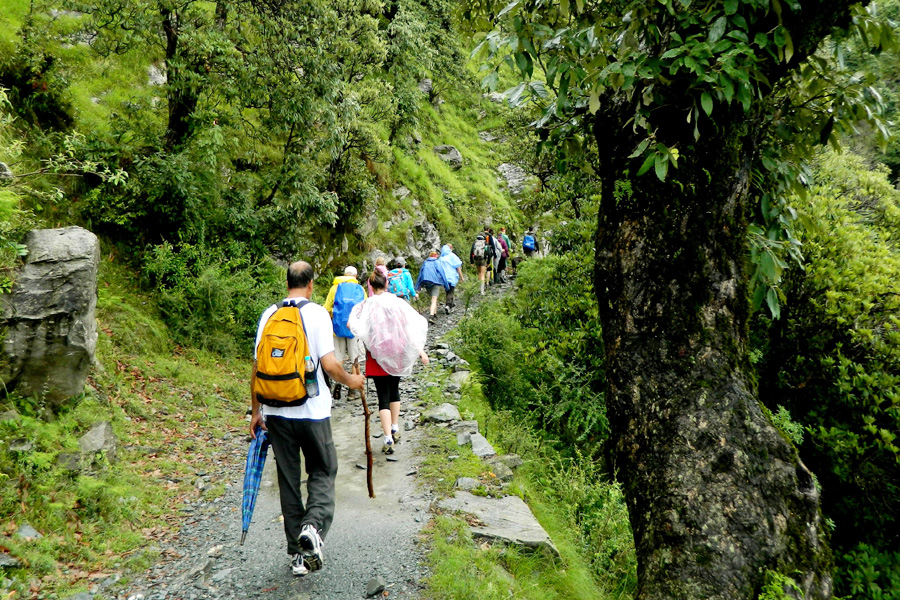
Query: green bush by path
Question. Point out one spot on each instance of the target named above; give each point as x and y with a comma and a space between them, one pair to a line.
833, 362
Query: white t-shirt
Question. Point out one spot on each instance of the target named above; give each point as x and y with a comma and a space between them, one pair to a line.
317, 322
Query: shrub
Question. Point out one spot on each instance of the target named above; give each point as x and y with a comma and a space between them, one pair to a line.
833, 359
212, 299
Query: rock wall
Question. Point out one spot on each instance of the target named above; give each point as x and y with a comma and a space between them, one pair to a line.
48, 318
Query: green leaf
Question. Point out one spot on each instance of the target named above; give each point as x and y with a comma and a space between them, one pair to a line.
706, 102
490, 81
641, 148
508, 8
717, 30
662, 166
648, 162
772, 301
594, 102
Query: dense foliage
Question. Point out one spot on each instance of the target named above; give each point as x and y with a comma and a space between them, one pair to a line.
833, 361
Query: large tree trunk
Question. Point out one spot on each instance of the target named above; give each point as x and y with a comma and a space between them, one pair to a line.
181, 96
716, 495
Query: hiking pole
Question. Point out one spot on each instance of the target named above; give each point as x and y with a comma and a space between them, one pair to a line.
366, 413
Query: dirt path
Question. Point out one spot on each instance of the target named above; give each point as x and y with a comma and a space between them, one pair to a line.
369, 537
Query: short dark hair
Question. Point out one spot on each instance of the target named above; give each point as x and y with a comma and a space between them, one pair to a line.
299, 275
377, 281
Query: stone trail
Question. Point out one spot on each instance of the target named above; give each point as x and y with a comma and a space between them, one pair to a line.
369, 539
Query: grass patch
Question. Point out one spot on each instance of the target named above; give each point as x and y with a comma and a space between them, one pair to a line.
171, 409
583, 512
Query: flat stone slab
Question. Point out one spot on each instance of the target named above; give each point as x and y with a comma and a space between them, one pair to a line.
506, 520
465, 427
481, 447
442, 414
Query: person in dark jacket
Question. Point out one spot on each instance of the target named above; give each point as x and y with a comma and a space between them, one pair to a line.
432, 277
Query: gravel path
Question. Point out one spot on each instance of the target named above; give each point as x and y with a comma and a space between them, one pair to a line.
369, 537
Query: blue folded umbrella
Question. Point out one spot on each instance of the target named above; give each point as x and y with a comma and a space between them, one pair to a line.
256, 460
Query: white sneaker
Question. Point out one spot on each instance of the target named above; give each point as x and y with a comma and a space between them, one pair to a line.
312, 544
297, 567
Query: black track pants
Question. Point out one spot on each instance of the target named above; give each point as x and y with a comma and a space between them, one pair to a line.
290, 437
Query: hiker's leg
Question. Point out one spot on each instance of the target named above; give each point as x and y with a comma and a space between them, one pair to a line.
321, 469
382, 388
286, 445
434, 291
395, 401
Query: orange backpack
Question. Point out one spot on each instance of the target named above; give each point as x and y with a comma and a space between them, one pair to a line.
280, 358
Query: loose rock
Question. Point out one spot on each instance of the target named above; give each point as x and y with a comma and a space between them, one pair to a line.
376, 585
100, 437
442, 414
467, 483
450, 155
481, 447
27, 532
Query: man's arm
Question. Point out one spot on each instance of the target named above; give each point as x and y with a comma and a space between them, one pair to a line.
336, 371
256, 417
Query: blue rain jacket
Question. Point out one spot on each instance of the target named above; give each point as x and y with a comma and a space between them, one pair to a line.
449, 263
432, 272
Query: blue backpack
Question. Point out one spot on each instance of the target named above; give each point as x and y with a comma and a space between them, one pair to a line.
396, 285
347, 296
528, 242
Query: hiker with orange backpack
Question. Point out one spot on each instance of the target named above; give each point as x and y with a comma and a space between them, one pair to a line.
294, 349
345, 293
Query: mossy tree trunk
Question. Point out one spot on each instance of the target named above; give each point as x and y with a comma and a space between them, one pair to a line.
716, 495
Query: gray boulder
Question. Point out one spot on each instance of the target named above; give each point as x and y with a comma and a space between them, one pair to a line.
100, 437
8, 562
460, 377
156, 75
5, 171
481, 447
450, 155
21, 445
375, 586
465, 427
500, 470
51, 330
506, 520
9, 415
467, 483
513, 461
70, 461
27, 532
442, 414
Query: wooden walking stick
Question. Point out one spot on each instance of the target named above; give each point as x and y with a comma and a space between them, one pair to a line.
366, 413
